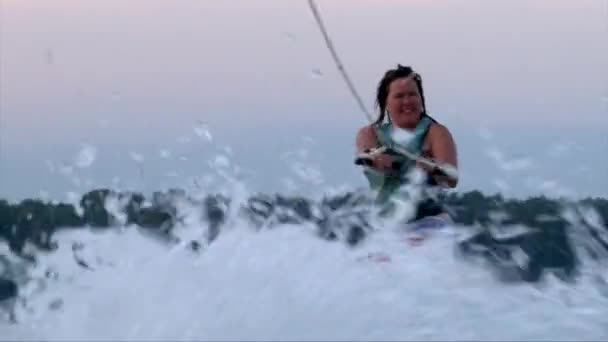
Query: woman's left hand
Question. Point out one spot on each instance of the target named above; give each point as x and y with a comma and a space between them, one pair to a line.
433, 171
424, 166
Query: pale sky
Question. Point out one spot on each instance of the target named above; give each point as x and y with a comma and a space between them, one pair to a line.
137, 76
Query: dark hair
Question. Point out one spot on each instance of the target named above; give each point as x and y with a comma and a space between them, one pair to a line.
383, 88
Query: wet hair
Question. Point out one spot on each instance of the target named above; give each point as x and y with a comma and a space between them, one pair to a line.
384, 85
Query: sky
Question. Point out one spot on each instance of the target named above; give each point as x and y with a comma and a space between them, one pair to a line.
122, 90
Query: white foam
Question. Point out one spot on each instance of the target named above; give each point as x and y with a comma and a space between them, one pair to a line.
286, 284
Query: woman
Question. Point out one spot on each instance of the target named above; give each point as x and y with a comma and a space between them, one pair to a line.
400, 98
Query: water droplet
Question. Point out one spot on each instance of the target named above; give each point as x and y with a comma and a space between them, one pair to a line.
86, 156
290, 36
51, 166
221, 161
183, 139
485, 133
103, 123
316, 73
136, 157
65, 169
164, 153
49, 57
202, 131
44, 195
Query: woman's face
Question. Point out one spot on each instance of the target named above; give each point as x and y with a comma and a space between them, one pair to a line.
404, 103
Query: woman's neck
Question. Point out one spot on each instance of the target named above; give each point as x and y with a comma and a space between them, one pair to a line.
408, 127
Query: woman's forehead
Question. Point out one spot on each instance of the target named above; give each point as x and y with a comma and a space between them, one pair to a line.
403, 84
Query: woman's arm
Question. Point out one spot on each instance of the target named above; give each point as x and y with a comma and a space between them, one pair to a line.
366, 139
443, 151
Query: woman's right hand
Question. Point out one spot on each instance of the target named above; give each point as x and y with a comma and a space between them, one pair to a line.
383, 163
380, 162
366, 141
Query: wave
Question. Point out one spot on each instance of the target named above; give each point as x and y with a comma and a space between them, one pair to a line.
189, 265
57, 252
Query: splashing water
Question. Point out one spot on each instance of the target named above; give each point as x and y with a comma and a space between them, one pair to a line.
86, 156
202, 130
164, 153
136, 157
284, 283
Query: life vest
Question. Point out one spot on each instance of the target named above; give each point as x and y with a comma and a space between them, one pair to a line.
385, 185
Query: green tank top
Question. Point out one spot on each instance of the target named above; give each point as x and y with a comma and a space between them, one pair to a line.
386, 185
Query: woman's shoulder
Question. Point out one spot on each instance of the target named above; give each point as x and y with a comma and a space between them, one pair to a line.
439, 135
367, 130
438, 130
366, 138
